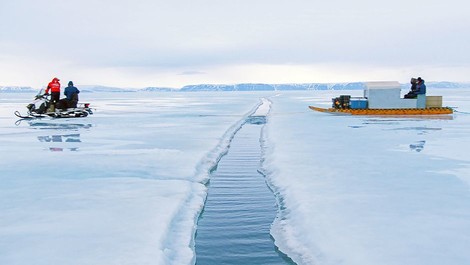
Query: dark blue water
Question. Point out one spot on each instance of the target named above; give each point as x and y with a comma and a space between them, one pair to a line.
234, 225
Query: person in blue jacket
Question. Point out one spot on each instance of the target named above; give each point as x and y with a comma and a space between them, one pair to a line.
421, 87
71, 93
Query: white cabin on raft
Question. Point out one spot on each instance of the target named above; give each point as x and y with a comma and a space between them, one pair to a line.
387, 95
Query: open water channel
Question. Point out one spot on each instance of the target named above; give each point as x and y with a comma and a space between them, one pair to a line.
240, 208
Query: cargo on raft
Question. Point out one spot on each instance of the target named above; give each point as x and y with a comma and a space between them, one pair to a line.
383, 98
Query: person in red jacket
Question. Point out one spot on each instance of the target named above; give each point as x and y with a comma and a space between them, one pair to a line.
54, 87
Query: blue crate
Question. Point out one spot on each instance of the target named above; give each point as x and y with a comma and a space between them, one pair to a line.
358, 104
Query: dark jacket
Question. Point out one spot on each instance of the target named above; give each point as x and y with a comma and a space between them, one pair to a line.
421, 88
70, 91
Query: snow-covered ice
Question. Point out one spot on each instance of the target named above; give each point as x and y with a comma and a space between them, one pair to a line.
125, 185
356, 190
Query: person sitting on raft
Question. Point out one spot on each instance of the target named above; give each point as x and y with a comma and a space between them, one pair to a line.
421, 87
417, 88
413, 89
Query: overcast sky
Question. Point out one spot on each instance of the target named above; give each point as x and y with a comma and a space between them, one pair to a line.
139, 43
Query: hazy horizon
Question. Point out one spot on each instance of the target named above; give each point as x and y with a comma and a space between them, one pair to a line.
172, 44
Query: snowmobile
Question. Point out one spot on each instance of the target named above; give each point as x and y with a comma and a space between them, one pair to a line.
41, 107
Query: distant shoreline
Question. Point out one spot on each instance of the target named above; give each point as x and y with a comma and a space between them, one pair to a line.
235, 87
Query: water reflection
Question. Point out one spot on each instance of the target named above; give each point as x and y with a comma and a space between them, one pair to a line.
394, 118
59, 126
417, 146
62, 136
418, 129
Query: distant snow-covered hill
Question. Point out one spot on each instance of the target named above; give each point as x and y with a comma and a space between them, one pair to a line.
17, 89
273, 87
306, 86
223, 87
91, 88
159, 89
236, 87
85, 88
445, 84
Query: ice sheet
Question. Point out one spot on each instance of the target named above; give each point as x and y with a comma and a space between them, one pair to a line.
125, 185
369, 190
